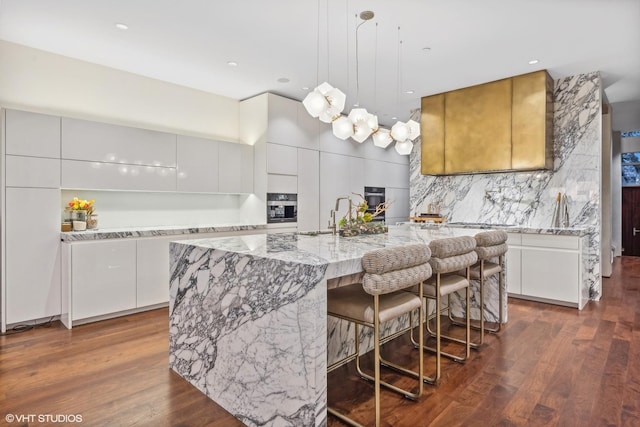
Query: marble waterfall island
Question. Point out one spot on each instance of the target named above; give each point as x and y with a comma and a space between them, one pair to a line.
248, 320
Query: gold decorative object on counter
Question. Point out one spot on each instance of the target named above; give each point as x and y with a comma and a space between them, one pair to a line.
504, 125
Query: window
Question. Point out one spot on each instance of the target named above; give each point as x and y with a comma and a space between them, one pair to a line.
631, 169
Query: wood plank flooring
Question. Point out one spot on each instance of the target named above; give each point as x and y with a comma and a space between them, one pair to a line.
549, 366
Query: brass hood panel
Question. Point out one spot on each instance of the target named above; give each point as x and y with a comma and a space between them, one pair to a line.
504, 125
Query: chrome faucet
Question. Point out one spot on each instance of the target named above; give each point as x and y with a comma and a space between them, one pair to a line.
332, 224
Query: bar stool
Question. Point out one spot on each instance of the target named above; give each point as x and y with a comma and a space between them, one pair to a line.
490, 245
377, 300
448, 256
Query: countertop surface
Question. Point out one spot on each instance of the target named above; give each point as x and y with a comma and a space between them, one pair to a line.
155, 231
575, 231
176, 230
342, 254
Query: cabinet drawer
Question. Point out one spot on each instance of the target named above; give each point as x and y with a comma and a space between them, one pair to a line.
103, 278
551, 241
35, 172
514, 239
111, 176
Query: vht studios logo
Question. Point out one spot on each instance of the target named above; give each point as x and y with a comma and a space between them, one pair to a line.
43, 418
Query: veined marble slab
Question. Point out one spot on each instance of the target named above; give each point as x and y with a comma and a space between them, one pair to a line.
155, 231
248, 319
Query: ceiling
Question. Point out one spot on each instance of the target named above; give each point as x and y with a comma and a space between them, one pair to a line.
439, 46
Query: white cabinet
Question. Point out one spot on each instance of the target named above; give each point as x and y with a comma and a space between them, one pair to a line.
32, 253
513, 260
235, 168
282, 159
283, 121
308, 190
152, 272
340, 176
399, 207
546, 268
197, 165
103, 142
112, 176
32, 134
103, 278
39, 172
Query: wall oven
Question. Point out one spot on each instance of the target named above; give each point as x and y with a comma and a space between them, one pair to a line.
374, 196
282, 207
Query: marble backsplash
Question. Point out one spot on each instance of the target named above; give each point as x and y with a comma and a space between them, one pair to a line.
529, 198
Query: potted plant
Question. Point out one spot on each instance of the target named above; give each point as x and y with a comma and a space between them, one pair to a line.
82, 214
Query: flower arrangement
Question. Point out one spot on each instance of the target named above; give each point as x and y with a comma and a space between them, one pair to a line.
358, 221
80, 204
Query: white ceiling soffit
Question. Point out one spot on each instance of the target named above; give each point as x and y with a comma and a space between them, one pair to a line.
445, 45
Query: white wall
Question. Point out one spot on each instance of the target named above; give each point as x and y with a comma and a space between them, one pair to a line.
35, 80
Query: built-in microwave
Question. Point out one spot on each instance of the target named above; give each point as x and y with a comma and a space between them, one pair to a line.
282, 207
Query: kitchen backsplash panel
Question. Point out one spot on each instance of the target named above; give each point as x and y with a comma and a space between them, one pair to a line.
529, 198
118, 209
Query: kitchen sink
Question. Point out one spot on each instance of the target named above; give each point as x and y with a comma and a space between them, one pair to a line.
314, 233
481, 224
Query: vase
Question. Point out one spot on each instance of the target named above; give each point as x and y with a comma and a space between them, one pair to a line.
92, 222
79, 220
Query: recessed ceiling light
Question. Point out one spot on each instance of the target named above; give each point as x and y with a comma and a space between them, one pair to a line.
533, 62
305, 88
121, 26
283, 80
232, 64
409, 92
394, 118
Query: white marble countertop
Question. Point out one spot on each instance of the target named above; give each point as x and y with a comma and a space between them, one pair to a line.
154, 231
342, 254
575, 231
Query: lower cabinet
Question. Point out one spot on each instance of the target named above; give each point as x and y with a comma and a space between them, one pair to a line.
152, 272
103, 278
108, 278
547, 268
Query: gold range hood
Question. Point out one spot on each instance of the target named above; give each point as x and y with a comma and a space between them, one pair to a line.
505, 125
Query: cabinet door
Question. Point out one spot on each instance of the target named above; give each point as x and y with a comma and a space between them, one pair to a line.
32, 134
40, 172
103, 142
513, 271
308, 190
197, 169
309, 128
113, 176
282, 159
399, 207
103, 278
152, 284
282, 118
550, 274
32, 253
235, 168
334, 183
513, 260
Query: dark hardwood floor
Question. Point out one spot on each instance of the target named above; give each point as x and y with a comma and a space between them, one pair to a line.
549, 366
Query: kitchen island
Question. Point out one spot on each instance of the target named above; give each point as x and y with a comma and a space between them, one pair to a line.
248, 317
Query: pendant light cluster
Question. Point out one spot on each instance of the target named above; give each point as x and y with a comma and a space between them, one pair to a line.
327, 103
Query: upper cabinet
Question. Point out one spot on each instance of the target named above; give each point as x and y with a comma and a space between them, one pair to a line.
32, 134
103, 142
235, 168
197, 164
